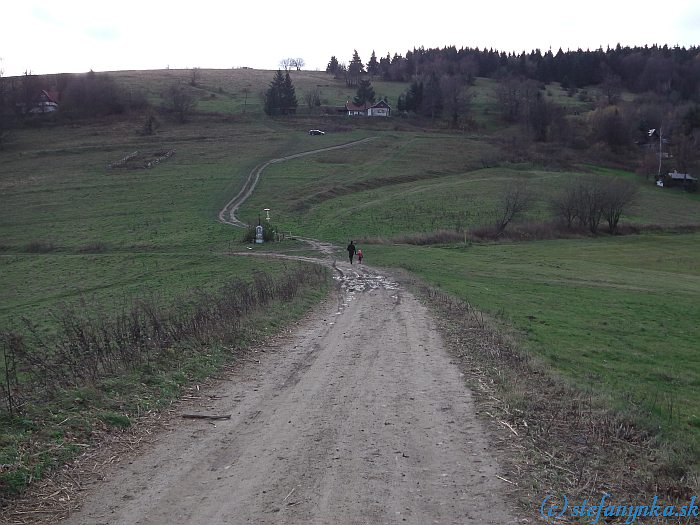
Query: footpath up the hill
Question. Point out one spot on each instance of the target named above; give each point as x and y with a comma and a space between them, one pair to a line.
356, 416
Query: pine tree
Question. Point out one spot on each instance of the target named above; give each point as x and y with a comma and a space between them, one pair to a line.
355, 69
289, 97
332, 66
365, 93
414, 96
373, 66
280, 98
432, 103
273, 96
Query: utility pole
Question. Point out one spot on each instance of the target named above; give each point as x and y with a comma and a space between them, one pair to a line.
651, 133
659, 174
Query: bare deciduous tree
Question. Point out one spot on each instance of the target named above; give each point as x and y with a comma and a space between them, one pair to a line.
684, 149
611, 127
194, 76
586, 201
591, 199
151, 124
618, 193
566, 205
648, 164
514, 97
181, 103
514, 201
313, 98
456, 99
611, 89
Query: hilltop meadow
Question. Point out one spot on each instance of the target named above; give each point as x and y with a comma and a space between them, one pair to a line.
109, 225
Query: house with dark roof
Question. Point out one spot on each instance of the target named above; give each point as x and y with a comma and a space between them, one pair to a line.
681, 180
378, 109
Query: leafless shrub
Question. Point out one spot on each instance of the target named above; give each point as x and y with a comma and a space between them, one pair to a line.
514, 201
565, 206
527, 231
617, 195
90, 344
425, 238
313, 98
10, 344
180, 102
93, 247
585, 201
40, 247
150, 125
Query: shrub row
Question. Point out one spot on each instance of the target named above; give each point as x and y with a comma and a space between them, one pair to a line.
90, 344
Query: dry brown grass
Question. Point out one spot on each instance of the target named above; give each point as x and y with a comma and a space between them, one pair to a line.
529, 231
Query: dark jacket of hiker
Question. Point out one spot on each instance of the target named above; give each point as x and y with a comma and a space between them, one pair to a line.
351, 250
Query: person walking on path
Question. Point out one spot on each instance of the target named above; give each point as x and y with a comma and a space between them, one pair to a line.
351, 250
359, 255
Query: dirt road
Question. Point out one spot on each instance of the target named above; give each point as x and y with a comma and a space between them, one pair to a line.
357, 416
227, 215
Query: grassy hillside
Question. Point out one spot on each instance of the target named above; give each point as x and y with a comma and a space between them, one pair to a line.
238, 91
403, 183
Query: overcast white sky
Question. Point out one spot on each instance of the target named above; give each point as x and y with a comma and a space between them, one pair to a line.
78, 35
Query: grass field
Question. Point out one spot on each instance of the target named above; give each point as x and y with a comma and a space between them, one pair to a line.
69, 226
615, 315
386, 188
239, 91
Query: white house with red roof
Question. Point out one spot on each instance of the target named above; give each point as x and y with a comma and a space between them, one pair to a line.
45, 102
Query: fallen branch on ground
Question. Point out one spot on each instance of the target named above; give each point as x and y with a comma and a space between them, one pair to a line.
205, 416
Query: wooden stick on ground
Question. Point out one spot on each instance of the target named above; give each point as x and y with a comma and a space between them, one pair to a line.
205, 416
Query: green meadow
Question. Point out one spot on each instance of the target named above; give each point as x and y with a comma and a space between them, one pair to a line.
72, 229
615, 315
406, 183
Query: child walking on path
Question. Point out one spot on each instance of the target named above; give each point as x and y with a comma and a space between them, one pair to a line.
359, 255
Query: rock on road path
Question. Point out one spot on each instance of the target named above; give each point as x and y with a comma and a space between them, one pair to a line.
358, 416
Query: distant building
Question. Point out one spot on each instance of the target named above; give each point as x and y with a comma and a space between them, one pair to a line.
379, 109
681, 180
45, 102
353, 109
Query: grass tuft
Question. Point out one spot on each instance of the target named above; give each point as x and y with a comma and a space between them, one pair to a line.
40, 247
